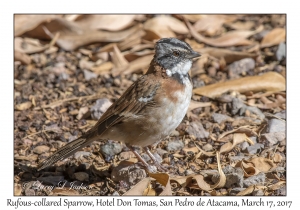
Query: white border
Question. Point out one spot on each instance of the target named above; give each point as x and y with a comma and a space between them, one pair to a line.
126, 6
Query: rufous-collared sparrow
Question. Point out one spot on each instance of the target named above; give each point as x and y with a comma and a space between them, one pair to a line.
150, 109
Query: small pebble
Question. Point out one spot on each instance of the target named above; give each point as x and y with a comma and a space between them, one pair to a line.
81, 176
175, 145
41, 149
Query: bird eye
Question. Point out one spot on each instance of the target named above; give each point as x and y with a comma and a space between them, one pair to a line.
176, 53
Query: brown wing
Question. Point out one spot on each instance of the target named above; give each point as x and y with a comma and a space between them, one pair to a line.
135, 98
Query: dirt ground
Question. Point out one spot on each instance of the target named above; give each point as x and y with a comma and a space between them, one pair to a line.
67, 74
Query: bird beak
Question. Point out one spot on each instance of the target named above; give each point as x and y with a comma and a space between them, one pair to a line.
193, 55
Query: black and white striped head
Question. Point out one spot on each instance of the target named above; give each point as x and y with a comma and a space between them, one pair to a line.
174, 55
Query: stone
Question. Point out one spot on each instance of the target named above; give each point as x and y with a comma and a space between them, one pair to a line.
79, 154
63, 76
281, 114
196, 129
84, 64
244, 145
273, 138
234, 177
258, 193
128, 172
99, 108
111, 148
115, 193
254, 139
175, 145
146, 157
160, 151
238, 158
88, 75
207, 147
29, 192
236, 190
189, 172
256, 148
282, 190
281, 51
241, 67
83, 113
174, 133
41, 149
276, 125
126, 155
239, 106
255, 180
158, 157
220, 118
54, 128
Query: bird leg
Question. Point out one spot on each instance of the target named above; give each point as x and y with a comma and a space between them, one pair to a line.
148, 167
155, 161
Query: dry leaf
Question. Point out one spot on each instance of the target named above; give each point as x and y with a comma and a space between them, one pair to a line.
262, 164
72, 35
222, 177
231, 38
267, 104
194, 18
201, 183
138, 64
23, 106
118, 58
187, 149
164, 180
237, 139
164, 26
276, 186
182, 180
239, 25
29, 46
103, 68
248, 168
247, 191
106, 22
131, 41
277, 158
243, 129
210, 24
32, 157
229, 55
196, 104
270, 81
135, 55
139, 188
274, 37
208, 154
140, 47
22, 57
24, 23
17, 190
72, 17
149, 191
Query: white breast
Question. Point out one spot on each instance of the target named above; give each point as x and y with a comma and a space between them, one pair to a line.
176, 111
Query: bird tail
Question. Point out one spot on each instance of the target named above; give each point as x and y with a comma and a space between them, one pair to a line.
64, 152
